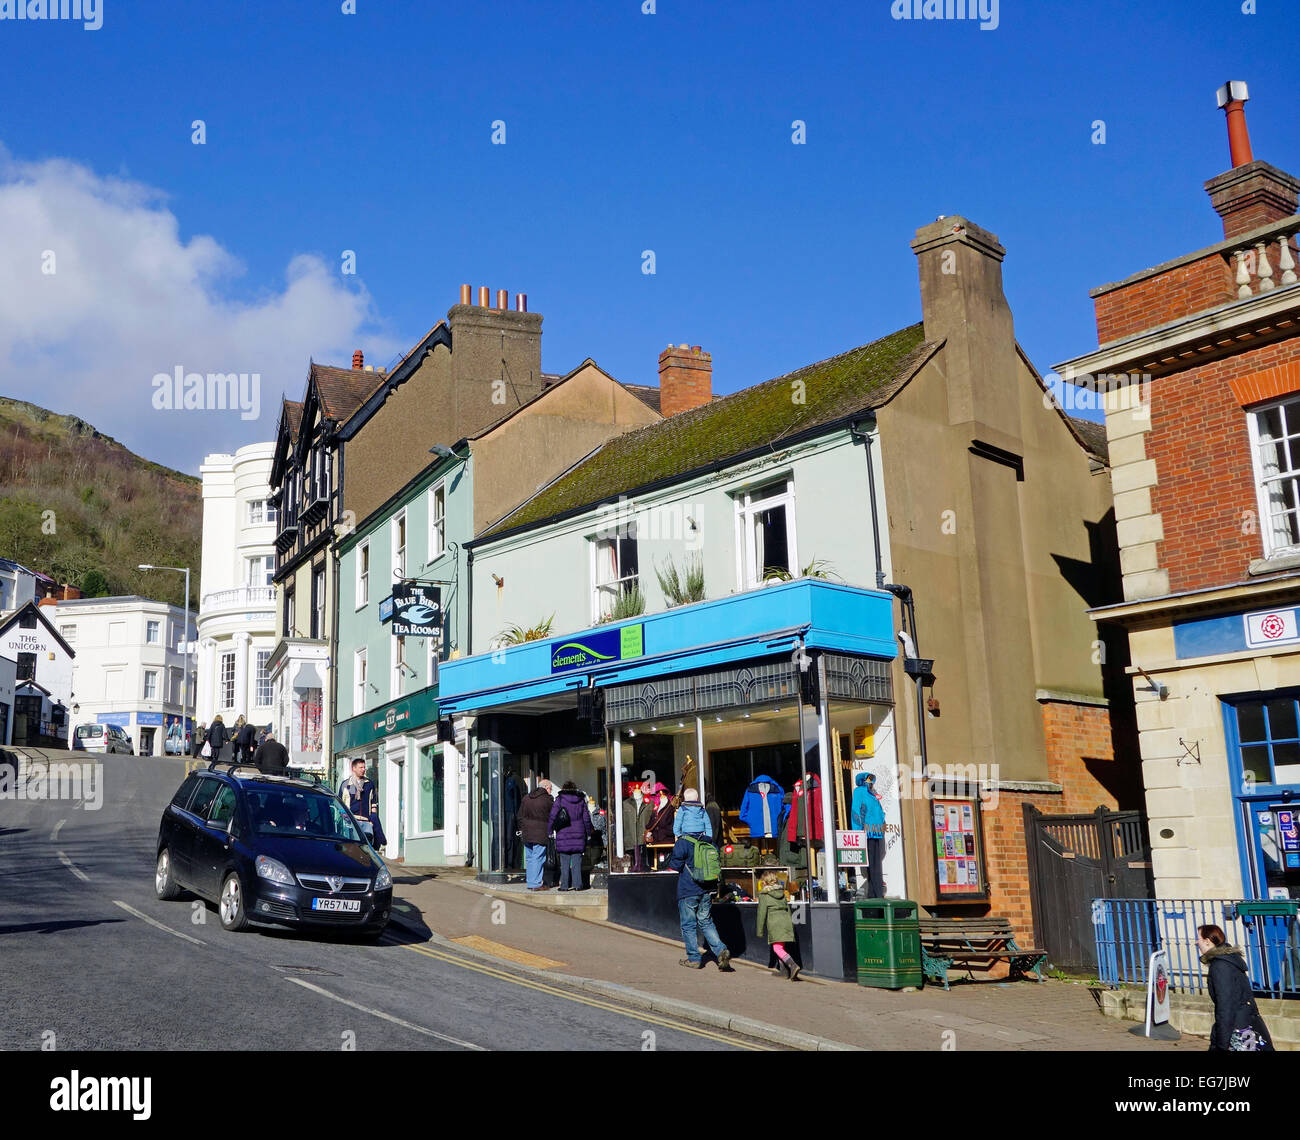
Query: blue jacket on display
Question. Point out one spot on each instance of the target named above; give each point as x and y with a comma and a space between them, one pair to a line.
760, 813
867, 814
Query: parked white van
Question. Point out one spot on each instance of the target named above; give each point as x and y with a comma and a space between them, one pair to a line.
102, 738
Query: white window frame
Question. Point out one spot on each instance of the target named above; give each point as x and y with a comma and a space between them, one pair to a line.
151, 682
272, 515
319, 596
1291, 430
437, 520
750, 503
608, 590
397, 680
359, 682
363, 575
152, 631
257, 512
175, 685
68, 633
226, 686
398, 531
259, 570
262, 679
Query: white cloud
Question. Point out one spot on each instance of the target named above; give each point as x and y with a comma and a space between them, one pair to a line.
130, 299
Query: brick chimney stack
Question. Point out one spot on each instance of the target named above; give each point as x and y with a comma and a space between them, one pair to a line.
1252, 193
358, 360
685, 379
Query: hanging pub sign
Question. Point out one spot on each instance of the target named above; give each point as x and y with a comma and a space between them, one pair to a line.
958, 849
417, 610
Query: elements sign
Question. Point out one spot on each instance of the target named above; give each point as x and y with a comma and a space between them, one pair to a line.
417, 611
597, 648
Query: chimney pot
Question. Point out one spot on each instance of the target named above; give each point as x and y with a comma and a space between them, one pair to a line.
503, 299
521, 302
482, 296
358, 359
1232, 97
466, 293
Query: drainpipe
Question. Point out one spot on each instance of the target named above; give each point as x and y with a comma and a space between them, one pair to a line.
865, 436
469, 601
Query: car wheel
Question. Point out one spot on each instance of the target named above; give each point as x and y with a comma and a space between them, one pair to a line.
163, 884
231, 907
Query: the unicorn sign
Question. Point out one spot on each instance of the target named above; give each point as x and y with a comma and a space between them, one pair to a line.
417, 611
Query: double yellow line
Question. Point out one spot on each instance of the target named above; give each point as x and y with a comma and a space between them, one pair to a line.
595, 1003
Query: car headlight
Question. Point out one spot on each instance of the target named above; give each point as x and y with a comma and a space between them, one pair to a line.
383, 880
273, 869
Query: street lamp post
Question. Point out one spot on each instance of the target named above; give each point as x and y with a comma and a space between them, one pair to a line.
185, 683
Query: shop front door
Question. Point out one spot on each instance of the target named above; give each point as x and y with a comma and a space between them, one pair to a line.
1274, 848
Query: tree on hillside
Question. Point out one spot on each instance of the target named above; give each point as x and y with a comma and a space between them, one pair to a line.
94, 585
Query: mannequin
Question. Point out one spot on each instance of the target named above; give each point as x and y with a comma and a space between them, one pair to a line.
637, 814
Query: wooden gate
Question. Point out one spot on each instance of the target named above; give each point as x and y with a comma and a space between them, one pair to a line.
1074, 859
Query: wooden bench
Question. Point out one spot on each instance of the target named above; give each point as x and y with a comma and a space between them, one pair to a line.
965, 942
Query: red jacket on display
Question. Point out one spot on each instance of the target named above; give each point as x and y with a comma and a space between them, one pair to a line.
797, 826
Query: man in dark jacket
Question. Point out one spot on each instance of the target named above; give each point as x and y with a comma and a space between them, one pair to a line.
218, 737
271, 754
245, 742
695, 908
1235, 1011
361, 798
534, 820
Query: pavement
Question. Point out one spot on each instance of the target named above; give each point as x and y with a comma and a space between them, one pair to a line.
449, 906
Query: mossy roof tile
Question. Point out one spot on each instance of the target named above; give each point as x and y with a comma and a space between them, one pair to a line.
764, 415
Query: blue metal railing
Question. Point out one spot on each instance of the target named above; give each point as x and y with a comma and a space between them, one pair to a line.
1128, 930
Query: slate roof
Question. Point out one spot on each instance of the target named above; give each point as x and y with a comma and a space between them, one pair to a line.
1093, 435
765, 415
293, 417
343, 390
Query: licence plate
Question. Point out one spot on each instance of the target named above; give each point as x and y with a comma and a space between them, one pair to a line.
336, 904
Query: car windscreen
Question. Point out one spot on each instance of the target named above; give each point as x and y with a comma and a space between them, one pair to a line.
301, 813
89, 730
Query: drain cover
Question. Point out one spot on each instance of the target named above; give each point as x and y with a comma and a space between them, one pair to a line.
305, 970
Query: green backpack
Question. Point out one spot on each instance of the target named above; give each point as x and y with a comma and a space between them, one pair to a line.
706, 863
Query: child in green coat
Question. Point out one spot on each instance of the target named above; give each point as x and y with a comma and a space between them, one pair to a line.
775, 918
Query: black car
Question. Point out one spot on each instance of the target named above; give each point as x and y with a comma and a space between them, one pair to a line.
271, 849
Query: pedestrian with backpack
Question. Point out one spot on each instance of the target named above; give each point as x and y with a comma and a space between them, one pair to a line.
698, 864
776, 919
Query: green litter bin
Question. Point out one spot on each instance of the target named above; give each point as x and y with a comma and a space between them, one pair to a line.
888, 933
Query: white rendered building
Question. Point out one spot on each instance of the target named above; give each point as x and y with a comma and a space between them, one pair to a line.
237, 598
129, 668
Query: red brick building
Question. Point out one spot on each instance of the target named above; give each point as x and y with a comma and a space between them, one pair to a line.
1200, 359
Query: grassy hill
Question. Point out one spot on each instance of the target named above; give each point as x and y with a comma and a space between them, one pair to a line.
111, 510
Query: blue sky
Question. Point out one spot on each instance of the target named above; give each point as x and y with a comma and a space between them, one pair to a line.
624, 132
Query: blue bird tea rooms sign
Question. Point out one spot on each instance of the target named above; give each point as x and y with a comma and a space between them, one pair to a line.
417, 610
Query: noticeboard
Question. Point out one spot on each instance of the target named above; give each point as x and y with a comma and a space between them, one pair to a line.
958, 849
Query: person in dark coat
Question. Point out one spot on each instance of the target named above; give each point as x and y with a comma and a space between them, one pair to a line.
218, 737
1236, 1016
245, 741
270, 754
534, 826
571, 840
197, 739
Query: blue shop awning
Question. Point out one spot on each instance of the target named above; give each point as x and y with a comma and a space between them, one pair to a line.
757, 624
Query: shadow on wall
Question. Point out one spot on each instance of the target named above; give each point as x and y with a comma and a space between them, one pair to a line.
1099, 582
